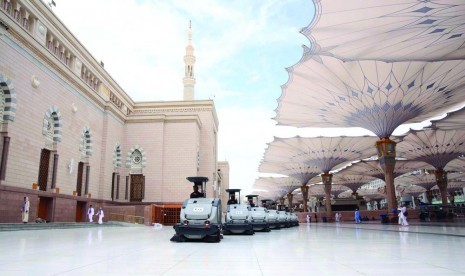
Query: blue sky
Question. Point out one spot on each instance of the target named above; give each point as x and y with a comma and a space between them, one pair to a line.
242, 48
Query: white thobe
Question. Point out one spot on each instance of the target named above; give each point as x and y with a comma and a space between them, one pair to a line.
90, 213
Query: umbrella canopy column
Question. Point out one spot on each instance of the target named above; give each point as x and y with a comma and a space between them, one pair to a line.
387, 160
304, 190
441, 180
290, 197
327, 180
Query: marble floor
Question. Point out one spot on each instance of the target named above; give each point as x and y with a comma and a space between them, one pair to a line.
316, 249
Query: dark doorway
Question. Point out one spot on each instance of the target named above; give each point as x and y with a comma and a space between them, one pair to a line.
43, 169
80, 211
137, 187
45, 208
79, 178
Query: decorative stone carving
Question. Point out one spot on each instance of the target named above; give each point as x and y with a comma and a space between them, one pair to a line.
35, 81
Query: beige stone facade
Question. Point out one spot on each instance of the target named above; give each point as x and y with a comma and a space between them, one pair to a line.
60, 106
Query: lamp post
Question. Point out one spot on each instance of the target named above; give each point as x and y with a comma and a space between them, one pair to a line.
387, 159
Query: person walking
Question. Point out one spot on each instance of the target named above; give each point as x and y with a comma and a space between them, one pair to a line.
90, 213
337, 216
403, 215
25, 210
357, 216
100, 215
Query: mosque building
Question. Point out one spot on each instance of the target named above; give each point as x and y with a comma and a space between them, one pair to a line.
71, 136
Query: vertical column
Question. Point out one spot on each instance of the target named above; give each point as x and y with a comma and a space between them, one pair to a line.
327, 179
113, 186
387, 160
117, 186
127, 187
54, 171
290, 197
6, 147
143, 187
86, 188
304, 190
441, 180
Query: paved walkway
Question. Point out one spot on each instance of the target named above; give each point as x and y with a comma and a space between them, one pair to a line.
316, 249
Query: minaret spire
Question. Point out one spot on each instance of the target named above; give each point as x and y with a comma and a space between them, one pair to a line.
189, 62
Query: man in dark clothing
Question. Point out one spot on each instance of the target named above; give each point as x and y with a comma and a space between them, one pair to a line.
232, 200
196, 193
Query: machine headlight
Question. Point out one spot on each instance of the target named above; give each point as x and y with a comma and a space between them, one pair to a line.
207, 223
186, 222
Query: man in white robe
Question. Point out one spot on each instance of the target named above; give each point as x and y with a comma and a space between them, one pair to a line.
25, 210
100, 215
402, 216
90, 213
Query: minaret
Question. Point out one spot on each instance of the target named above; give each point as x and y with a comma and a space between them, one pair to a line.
189, 61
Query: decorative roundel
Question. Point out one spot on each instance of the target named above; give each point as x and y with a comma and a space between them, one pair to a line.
137, 159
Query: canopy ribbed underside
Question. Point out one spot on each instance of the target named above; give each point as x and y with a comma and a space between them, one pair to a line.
277, 185
414, 190
318, 190
373, 168
371, 193
457, 165
300, 171
323, 152
389, 30
426, 181
378, 96
435, 147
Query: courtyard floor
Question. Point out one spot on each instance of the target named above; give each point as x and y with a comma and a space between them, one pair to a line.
315, 249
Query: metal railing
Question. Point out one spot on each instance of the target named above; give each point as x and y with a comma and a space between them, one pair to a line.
126, 218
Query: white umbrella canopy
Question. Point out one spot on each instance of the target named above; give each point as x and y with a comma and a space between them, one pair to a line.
317, 190
353, 182
373, 168
326, 153
328, 92
393, 30
300, 171
453, 121
454, 185
372, 193
433, 146
427, 181
414, 190
279, 186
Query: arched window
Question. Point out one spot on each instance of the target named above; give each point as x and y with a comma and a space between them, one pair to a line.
8, 99
117, 156
2, 104
85, 145
136, 159
52, 124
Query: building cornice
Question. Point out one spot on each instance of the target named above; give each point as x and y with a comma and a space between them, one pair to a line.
78, 48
